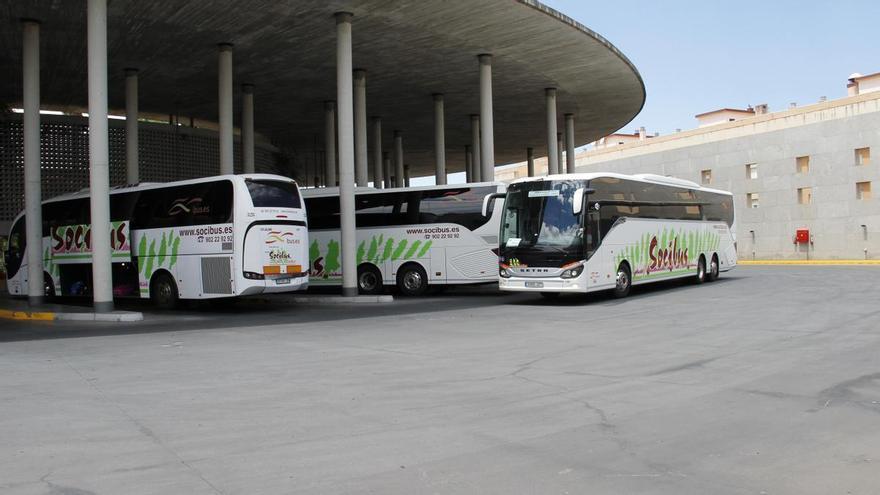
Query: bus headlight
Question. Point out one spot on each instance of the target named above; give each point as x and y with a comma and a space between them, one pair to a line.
573, 272
254, 276
504, 272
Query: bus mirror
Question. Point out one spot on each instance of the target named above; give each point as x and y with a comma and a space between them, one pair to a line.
487, 199
577, 201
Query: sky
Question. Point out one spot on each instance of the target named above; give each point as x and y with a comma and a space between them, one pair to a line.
696, 56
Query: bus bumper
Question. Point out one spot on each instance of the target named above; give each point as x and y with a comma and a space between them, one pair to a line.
521, 284
271, 286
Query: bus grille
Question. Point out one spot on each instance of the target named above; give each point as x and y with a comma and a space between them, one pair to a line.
216, 276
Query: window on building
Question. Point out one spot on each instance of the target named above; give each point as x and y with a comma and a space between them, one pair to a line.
752, 171
863, 156
803, 164
752, 200
805, 195
863, 190
706, 176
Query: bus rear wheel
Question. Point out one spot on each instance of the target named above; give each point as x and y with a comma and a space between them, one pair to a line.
163, 291
412, 280
369, 280
701, 270
623, 282
714, 270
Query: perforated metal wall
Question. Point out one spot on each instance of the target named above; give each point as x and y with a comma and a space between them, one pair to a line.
167, 153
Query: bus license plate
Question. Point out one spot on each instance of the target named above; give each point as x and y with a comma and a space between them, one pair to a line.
282, 281
535, 285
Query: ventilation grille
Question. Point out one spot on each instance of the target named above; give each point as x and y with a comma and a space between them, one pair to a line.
216, 276
481, 264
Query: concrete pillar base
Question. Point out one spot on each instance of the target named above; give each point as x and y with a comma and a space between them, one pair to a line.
103, 306
35, 301
349, 292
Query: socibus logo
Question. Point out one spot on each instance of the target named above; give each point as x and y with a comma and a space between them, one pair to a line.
278, 237
669, 257
188, 205
75, 239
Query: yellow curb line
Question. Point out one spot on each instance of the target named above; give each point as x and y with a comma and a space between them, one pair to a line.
26, 315
809, 262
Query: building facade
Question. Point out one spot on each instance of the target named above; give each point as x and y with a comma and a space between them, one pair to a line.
814, 168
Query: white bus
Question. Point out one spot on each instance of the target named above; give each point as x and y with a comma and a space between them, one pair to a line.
409, 237
224, 236
588, 232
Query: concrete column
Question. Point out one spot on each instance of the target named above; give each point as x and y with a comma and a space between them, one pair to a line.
468, 164
360, 128
32, 193
559, 146
99, 156
398, 159
552, 149
330, 143
386, 168
224, 88
345, 132
475, 147
487, 129
132, 172
377, 153
247, 128
569, 143
530, 161
406, 176
439, 141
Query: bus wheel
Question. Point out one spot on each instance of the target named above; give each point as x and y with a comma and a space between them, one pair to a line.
369, 280
163, 291
624, 281
412, 280
48, 286
701, 270
713, 269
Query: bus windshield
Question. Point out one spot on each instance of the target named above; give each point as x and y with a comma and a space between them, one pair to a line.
538, 215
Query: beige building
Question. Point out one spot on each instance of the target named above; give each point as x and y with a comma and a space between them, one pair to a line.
805, 168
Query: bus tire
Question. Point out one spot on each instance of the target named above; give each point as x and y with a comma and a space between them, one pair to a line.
623, 281
714, 270
412, 280
701, 270
48, 287
369, 281
163, 291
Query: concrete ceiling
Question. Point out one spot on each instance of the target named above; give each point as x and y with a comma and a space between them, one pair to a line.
286, 48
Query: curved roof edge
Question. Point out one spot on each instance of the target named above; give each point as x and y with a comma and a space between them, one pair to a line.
540, 7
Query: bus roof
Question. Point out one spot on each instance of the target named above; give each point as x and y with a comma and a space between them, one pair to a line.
84, 193
649, 178
321, 192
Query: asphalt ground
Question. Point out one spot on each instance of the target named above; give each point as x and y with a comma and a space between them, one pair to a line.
765, 381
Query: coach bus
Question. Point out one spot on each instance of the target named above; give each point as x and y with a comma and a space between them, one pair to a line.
224, 236
588, 232
411, 238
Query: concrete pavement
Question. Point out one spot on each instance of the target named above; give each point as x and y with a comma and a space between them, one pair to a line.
767, 381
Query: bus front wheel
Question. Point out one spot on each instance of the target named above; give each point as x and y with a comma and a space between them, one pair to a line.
624, 281
701, 270
412, 280
369, 280
163, 291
